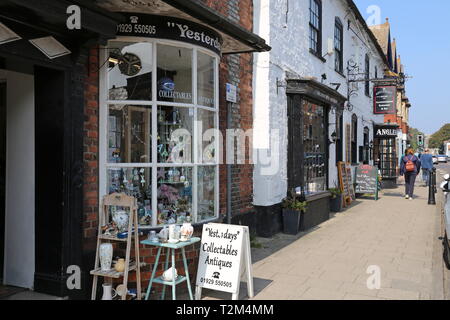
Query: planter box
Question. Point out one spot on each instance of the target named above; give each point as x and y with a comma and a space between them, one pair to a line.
269, 220
292, 221
318, 211
336, 204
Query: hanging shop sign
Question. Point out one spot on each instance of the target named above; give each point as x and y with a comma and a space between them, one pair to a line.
384, 132
162, 27
224, 259
385, 100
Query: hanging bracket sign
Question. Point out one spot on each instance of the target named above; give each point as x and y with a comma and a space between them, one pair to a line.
224, 260
385, 100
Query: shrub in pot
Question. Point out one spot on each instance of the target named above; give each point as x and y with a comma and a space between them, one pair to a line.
293, 209
336, 200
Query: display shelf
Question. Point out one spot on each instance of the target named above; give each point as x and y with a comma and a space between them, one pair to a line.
180, 279
113, 273
112, 238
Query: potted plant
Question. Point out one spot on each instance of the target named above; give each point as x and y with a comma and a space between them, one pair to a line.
336, 200
293, 208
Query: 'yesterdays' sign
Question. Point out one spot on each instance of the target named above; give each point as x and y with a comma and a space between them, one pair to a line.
385, 100
224, 259
161, 27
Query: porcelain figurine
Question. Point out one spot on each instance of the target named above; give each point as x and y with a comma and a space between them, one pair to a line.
106, 254
120, 218
120, 265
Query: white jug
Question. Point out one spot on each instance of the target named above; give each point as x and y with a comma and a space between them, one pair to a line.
108, 292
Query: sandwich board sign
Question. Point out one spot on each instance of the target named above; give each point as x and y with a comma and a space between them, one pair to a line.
225, 259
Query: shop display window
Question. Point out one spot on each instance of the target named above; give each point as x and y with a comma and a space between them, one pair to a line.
314, 141
130, 67
161, 101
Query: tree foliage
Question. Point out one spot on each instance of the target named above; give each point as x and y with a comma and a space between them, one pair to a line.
437, 140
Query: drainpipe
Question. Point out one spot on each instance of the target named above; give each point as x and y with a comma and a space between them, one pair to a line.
229, 165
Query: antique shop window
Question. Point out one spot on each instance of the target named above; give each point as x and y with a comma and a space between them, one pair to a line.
315, 26
339, 46
158, 119
314, 143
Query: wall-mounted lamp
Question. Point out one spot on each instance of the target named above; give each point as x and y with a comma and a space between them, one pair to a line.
333, 138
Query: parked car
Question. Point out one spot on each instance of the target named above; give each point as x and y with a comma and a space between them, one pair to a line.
435, 160
445, 186
442, 158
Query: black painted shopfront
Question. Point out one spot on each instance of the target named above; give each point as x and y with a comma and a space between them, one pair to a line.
309, 132
42, 116
386, 153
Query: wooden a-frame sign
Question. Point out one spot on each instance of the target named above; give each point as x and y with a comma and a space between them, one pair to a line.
225, 260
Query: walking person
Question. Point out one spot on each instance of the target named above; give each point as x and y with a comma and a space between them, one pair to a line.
426, 161
410, 168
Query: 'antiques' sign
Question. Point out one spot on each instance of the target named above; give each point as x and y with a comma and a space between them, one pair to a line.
385, 100
383, 132
161, 27
224, 254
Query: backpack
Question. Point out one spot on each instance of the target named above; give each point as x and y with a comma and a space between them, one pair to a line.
410, 166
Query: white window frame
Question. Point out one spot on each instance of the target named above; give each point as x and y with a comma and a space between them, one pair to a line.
104, 102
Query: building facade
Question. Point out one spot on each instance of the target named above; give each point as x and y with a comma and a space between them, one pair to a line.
313, 101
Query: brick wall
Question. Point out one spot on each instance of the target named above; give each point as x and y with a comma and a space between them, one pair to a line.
236, 69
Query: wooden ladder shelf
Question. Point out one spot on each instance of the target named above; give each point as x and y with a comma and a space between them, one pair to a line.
128, 204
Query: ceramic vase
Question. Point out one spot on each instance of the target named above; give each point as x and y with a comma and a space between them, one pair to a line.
187, 230
168, 274
120, 218
106, 254
120, 265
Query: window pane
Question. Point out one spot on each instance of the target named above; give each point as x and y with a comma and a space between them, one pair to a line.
129, 134
174, 74
174, 195
207, 136
206, 193
206, 81
134, 182
130, 71
315, 148
175, 127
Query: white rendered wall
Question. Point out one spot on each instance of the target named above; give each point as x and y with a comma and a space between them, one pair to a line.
286, 28
20, 181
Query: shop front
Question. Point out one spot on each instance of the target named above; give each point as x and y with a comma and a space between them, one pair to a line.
133, 106
41, 114
309, 106
386, 154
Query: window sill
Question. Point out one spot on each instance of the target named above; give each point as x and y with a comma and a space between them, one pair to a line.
315, 54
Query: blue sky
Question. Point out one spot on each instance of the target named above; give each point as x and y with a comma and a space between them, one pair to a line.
422, 31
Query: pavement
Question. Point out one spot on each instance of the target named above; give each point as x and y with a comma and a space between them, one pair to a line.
393, 242
397, 239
